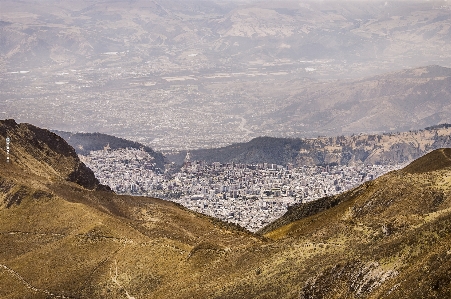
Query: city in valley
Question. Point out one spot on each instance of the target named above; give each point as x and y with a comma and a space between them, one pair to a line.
248, 195
205, 74
225, 149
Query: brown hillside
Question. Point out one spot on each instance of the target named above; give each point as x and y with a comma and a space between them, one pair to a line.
438, 159
389, 238
43, 153
59, 239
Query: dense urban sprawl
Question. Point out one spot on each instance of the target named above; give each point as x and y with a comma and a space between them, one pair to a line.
249, 195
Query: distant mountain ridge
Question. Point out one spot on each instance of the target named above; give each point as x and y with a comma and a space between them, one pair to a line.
397, 101
388, 148
353, 32
267, 68
83, 143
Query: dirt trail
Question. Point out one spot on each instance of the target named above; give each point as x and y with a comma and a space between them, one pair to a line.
30, 286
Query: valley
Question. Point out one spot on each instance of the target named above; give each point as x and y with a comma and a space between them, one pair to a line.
252, 184
225, 149
248, 195
65, 235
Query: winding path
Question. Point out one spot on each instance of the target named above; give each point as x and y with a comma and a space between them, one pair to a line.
30, 286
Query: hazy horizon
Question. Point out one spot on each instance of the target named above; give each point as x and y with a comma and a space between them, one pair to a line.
191, 74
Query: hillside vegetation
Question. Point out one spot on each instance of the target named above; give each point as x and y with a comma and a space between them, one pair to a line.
62, 238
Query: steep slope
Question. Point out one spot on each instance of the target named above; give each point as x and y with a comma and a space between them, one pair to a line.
434, 161
59, 239
389, 238
40, 152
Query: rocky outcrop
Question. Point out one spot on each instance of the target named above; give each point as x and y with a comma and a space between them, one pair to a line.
41, 152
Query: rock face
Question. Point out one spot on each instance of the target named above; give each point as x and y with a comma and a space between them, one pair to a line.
42, 152
389, 238
387, 148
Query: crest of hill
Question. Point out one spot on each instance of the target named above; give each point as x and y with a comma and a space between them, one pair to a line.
258, 150
83, 143
436, 160
303, 210
388, 226
439, 159
43, 153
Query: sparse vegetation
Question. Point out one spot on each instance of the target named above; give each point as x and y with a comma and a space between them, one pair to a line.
388, 238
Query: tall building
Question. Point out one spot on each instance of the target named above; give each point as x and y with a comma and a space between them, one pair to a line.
187, 161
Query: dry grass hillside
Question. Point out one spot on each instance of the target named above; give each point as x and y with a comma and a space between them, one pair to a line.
389, 238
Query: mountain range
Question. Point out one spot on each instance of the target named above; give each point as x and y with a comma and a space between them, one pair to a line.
226, 33
388, 148
63, 235
399, 101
